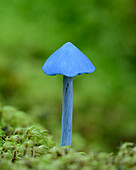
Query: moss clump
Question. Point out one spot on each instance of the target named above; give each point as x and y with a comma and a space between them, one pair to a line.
24, 145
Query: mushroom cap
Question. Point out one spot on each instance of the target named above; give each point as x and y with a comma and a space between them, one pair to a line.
69, 61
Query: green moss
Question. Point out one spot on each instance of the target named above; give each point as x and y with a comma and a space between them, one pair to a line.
24, 145
15, 118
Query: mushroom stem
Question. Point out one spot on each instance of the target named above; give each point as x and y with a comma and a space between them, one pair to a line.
67, 109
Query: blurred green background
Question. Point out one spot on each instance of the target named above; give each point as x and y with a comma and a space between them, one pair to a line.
104, 101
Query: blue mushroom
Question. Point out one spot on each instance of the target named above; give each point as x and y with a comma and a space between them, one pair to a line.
68, 61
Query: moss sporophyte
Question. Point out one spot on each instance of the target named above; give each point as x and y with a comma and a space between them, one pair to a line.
68, 61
